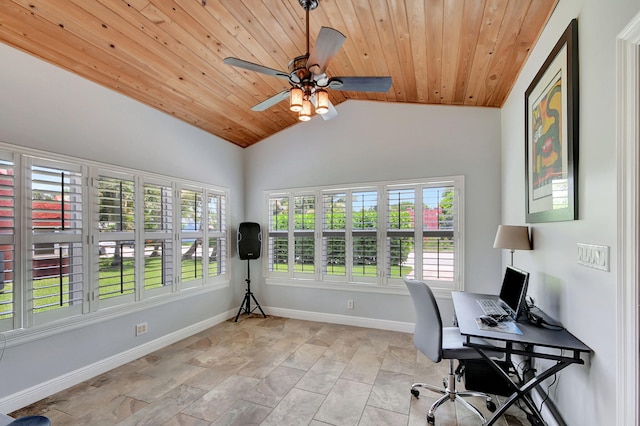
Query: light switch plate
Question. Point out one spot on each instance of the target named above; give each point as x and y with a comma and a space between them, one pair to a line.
593, 256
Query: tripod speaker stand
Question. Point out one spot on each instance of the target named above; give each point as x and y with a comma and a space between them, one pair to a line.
246, 303
249, 245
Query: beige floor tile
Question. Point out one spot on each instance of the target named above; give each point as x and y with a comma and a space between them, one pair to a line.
322, 376
377, 417
304, 357
391, 392
297, 408
363, 367
165, 408
345, 403
243, 413
181, 419
267, 371
400, 360
217, 401
270, 391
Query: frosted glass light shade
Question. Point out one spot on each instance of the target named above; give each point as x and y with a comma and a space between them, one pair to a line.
305, 114
295, 99
322, 101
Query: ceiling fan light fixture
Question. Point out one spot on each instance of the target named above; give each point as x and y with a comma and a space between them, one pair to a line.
305, 114
322, 101
295, 99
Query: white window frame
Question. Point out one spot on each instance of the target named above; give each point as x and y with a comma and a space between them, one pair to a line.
114, 236
220, 233
165, 234
11, 239
24, 322
381, 282
53, 237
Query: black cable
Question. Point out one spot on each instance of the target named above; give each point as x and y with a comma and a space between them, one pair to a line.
555, 378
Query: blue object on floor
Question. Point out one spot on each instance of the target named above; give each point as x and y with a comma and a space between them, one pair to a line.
31, 421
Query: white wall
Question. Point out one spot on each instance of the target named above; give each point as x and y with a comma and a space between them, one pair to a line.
372, 141
46, 108
583, 299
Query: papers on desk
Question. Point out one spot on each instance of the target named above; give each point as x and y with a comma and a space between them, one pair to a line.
503, 327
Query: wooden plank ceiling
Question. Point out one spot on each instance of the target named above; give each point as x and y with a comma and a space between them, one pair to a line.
168, 54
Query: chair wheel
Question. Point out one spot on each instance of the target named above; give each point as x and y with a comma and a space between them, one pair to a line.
415, 392
431, 420
491, 406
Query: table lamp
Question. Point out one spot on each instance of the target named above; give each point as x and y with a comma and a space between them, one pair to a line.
512, 238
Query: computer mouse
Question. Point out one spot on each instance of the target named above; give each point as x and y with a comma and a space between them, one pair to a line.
487, 320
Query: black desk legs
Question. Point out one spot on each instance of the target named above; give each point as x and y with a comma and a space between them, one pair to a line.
524, 391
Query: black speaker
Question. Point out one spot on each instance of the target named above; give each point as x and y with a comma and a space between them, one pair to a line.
249, 240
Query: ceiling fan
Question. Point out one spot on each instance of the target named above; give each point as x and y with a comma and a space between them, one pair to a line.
307, 75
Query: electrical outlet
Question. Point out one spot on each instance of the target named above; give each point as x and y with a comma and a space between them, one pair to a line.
350, 304
141, 328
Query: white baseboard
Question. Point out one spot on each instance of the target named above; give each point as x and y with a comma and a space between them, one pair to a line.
404, 327
50, 387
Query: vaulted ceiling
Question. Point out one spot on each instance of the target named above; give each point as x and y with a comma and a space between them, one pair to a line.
169, 54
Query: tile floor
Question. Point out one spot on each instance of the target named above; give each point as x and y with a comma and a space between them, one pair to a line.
273, 371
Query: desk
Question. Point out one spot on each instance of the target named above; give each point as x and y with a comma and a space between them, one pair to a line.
527, 344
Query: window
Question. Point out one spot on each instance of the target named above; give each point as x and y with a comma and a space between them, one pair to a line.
371, 234
303, 234
334, 225
192, 232
400, 243
217, 239
96, 238
364, 241
117, 249
7, 242
158, 237
278, 244
55, 258
439, 246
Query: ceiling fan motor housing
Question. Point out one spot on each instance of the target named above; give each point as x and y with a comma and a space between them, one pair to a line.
298, 69
308, 4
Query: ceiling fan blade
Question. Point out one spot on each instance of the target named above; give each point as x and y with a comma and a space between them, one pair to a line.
240, 63
332, 113
360, 84
327, 44
268, 103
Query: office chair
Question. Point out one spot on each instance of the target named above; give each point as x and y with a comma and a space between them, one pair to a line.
438, 343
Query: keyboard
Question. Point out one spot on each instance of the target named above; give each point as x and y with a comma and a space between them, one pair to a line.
491, 307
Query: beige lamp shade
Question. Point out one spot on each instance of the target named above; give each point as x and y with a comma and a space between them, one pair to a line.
512, 238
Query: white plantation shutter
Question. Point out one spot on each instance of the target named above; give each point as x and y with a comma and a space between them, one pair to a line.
157, 235
364, 229
192, 233
278, 241
7, 241
304, 234
334, 237
116, 226
56, 258
217, 234
400, 231
368, 234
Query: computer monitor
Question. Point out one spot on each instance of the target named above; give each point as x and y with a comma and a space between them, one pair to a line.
514, 289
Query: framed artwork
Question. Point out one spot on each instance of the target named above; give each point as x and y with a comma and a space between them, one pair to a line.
551, 134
